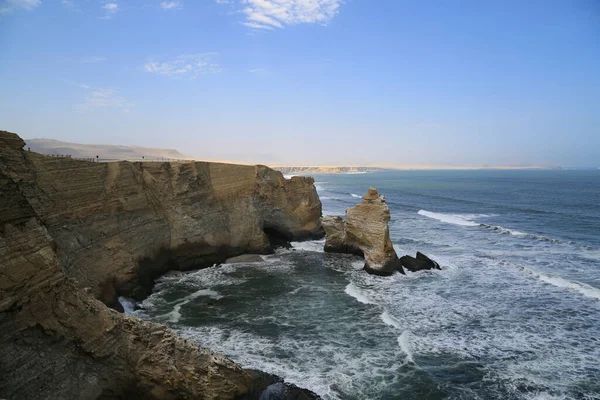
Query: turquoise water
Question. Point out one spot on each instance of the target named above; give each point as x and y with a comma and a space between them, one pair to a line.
514, 314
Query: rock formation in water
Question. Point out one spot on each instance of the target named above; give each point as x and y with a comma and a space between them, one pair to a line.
421, 262
73, 231
365, 232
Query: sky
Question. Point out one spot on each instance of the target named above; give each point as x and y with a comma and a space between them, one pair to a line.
326, 82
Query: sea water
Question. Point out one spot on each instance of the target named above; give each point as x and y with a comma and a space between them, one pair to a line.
513, 314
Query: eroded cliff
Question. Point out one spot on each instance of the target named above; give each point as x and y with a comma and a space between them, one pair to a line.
116, 226
66, 225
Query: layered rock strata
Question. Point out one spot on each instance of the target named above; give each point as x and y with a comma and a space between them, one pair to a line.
365, 232
72, 231
116, 226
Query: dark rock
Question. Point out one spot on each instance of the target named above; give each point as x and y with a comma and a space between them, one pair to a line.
422, 262
421, 256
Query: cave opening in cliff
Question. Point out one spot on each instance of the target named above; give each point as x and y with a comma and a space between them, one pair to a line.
277, 237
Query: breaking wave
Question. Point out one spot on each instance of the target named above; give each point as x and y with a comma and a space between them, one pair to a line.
354, 291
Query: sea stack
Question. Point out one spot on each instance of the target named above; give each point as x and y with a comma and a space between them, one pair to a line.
365, 232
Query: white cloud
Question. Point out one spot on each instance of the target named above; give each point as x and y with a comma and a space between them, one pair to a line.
110, 10
270, 14
257, 70
68, 3
102, 98
171, 5
191, 66
8, 6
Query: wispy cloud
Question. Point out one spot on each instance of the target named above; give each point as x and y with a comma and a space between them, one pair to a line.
102, 98
257, 70
171, 5
185, 66
110, 9
68, 4
271, 14
98, 97
8, 6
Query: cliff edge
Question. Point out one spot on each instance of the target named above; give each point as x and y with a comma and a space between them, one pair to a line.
116, 226
73, 231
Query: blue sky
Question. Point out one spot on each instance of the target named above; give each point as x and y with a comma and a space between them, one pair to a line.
310, 81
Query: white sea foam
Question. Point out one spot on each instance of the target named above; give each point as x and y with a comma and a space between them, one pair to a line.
128, 305
456, 219
406, 346
355, 195
583, 288
175, 315
354, 291
311, 245
390, 320
288, 176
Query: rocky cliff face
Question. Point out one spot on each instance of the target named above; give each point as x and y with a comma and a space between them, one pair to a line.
67, 225
365, 232
116, 226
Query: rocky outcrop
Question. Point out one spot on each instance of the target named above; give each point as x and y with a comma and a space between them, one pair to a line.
365, 231
421, 262
72, 231
116, 226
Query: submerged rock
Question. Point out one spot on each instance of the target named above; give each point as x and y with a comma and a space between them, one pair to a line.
365, 232
421, 262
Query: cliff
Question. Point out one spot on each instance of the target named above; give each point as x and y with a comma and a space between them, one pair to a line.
365, 232
73, 231
116, 226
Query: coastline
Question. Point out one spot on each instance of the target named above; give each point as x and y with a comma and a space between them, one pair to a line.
75, 232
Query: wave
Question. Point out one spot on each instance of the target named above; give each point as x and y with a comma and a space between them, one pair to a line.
128, 305
582, 288
175, 315
310, 245
390, 320
468, 220
406, 346
355, 292
456, 219
355, 195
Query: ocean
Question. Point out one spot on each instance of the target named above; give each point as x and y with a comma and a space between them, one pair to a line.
513, 314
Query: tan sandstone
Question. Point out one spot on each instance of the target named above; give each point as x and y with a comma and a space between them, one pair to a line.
73, 231
364, 232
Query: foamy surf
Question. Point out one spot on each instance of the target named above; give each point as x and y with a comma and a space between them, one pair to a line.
311, 245
175, 315
354, 291
390, 320
127, 304
582, 288
469, 220
356, 195
406, 346
456, 219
